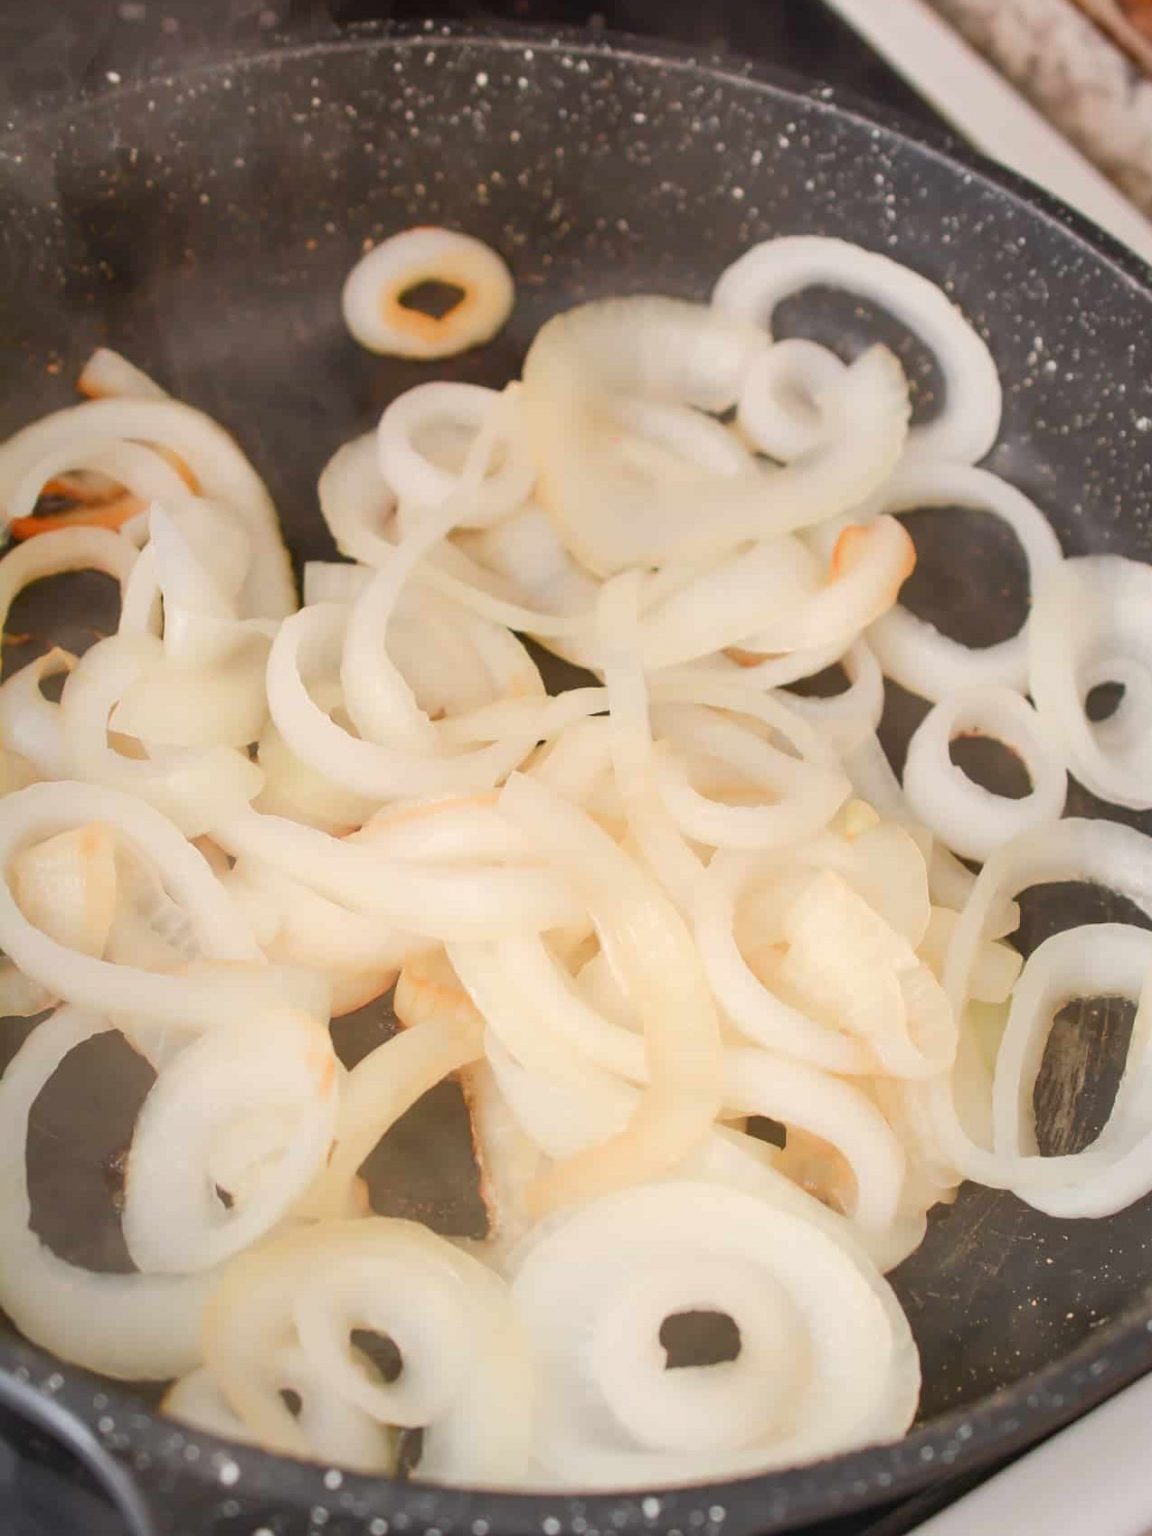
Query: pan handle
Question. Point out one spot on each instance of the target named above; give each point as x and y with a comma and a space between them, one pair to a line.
36, 1431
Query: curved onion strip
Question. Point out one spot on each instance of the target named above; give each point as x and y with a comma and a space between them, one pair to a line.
321, 1284
973, 820
612, 518
751, 1005
365, 768
173, 1220
782, 410
195, 787
107, 373
484, 493
966, 425
652, 952
802, 796
67, 886
223, 473
128, 1326
839, 1113
1105, 853
69, 549
198, 999
337, 1432
847, 718
373, 295
1096, 960
1091, 623
381, 1088
443, 902
594, 1292
914, 652
869, 565
29, 724
142, 472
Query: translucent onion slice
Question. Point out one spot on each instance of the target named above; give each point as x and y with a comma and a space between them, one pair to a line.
610, 516
847, 718
783, 410
195, 787
652, 952
911, 650
174, 1222
66, 886
1101, 852
142, 1327
223, 473
1097, 960
144, 475
595, 1290
198, 999
465, 1376
973, 820
382, 1087
107, 375
337, 1432
29, 723
1091, 623
477, 900
306, 642
965, 426
505, 484
69, 549
373, 297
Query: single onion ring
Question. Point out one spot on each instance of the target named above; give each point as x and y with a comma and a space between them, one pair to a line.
416, 478
318, 1285
966, 425
144, 1327
595, 1289
174, 1222
914, 652
1092, 623
373, 296
782, 410
973, 820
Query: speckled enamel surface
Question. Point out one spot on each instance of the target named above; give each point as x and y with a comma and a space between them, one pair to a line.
204, 225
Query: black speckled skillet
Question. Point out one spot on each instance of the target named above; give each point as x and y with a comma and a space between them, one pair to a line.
204, 223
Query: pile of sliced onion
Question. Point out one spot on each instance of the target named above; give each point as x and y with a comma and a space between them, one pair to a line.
634, 919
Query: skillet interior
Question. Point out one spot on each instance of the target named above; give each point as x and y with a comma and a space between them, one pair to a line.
203, 225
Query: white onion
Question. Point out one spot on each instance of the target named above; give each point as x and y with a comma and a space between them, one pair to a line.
973, 820
1092, 623
129, 1326
29, 724
782, 407
965, 426
173, 1219
372, 300
912, 650
595, 1290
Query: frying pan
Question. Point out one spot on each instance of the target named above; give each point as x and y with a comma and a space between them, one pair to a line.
203, 224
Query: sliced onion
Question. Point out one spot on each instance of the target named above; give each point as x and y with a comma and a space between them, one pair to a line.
965, 426
595, 1290
387, 1276
654, 956
416, 478
914, 652
173, 1219
782, 409
141, 1327
108, 374
336, 1431
973, 820
1091, 624
30, 724
66, 886
223, 473
373, 297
